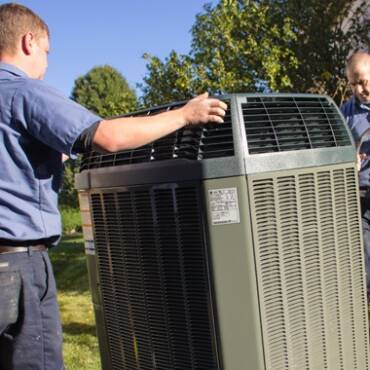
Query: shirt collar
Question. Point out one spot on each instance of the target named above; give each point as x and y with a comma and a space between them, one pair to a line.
12, 69
362, 105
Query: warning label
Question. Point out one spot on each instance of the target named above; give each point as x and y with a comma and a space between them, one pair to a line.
89, 247
86, 223
224, 206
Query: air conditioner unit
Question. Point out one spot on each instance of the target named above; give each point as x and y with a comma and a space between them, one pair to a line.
233, 246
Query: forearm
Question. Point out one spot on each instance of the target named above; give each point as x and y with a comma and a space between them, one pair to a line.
132, 132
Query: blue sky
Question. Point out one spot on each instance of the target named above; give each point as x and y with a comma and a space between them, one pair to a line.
86, 33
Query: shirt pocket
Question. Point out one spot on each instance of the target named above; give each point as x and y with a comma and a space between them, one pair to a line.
10, 287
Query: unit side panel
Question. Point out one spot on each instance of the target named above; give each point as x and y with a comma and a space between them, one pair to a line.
310, 268
93, 274
234, 274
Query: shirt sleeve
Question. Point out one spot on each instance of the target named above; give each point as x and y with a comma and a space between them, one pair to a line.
50, 117
356, 118
84, 142
344, 109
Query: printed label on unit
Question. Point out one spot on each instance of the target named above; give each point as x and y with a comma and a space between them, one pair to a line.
87, 229
89, 247
224, 206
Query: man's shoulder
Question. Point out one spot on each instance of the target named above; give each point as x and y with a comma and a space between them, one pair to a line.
35, 98
37, 88
347, 103
347, 107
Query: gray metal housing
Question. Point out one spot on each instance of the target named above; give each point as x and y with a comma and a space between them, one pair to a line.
284, 262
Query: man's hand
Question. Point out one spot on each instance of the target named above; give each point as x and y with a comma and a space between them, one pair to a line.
203, 109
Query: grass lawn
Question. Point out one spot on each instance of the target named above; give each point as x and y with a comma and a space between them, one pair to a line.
80, 342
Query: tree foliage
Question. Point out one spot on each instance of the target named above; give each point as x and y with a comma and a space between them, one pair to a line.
68, 193
235, 48
326, 33
175, 79
104, 91
238, 47
262, 45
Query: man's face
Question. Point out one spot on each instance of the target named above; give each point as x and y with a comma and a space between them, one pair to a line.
40, 57
359, 80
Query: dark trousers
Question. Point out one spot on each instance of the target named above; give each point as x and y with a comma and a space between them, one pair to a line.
365, 213
30, 329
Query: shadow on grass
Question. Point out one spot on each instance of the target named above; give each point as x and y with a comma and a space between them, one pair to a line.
75, 328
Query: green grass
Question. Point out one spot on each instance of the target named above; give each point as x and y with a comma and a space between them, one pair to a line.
80, 342
71, 220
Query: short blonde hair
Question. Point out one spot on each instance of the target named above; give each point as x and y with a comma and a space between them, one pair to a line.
15, 21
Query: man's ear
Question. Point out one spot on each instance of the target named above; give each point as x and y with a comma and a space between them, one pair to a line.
28, 41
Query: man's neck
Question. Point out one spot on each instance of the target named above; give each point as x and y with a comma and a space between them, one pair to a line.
16, 62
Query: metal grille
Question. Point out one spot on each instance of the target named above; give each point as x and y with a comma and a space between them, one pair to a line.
310, 270
275, 124
154, 279
196, 143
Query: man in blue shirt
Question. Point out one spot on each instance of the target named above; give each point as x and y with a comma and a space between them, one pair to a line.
37, 126
357, 113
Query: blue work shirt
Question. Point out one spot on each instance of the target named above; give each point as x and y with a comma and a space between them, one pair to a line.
358, 119
37, 125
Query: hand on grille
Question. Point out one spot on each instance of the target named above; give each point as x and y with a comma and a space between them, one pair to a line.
203, 109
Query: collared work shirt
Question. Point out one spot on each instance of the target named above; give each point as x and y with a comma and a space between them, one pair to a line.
37, 125
358, 119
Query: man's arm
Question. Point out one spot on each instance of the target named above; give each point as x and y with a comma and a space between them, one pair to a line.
132, 132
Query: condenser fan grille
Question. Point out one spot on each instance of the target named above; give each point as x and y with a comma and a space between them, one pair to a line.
194, 143
309, 264
276, 124
153, 273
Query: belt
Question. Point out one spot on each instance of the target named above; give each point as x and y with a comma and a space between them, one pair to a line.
20, 249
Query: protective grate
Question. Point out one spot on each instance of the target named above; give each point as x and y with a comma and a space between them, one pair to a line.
276, 124
196, 143
154, 279
310, 270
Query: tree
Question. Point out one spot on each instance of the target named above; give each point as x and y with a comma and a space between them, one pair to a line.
104, 91
172, 80
68, 193
235, 48
263, 45
326, 33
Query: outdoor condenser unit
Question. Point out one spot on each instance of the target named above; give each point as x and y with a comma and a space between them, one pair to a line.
233, 246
